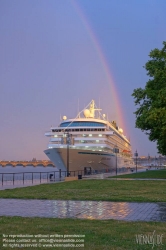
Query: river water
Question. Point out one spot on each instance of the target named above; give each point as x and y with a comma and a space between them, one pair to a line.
21, 169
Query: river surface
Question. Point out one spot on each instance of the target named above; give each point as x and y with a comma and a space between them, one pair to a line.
18, 169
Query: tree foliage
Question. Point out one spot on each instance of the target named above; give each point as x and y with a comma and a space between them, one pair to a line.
151, 113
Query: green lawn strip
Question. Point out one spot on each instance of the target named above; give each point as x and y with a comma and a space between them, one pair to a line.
154, 174
99, 235
95, 190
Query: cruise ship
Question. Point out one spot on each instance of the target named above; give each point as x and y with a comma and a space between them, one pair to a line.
88, 142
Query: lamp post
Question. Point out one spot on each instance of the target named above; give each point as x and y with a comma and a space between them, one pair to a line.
148, 159
160, 160
136, 155
116, 151
68, 142
155, 161
68, 174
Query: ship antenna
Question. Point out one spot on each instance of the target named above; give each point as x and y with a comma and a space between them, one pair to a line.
78, 109
99, 108
76, 116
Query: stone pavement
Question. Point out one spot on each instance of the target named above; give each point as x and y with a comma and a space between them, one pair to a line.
100, 210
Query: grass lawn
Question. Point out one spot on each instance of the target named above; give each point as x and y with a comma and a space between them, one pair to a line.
154, 174
95, 190
99, 235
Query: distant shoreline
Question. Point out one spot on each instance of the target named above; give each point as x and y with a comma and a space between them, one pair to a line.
35, 163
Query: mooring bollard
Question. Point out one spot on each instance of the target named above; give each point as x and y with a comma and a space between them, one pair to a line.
59, 173
50, 177
79, 176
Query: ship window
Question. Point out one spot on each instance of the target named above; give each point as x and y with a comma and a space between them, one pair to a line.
91, 153
81, 130
84, 135
82, 124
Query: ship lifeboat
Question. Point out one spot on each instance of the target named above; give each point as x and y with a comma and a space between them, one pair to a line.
127, 152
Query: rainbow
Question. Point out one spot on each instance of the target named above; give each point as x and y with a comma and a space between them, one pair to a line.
104, 63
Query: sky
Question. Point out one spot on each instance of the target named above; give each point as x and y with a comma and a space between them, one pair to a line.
56, 52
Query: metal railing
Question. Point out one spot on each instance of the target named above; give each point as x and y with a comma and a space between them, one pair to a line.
32, 178
28, 177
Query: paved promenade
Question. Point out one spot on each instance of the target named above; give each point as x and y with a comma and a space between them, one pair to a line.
19, 184
128, 211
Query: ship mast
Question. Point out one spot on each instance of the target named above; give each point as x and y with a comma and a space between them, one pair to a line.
92, 109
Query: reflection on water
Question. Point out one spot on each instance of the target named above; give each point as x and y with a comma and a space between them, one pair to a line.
130, 211
105, 210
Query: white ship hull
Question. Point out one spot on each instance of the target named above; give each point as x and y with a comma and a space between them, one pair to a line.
80, 159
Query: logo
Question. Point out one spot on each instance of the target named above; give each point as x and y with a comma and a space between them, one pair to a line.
147, 239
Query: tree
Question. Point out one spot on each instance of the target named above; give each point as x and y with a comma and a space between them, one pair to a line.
151, 113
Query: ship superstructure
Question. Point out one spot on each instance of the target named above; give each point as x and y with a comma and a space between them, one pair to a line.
92, 141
